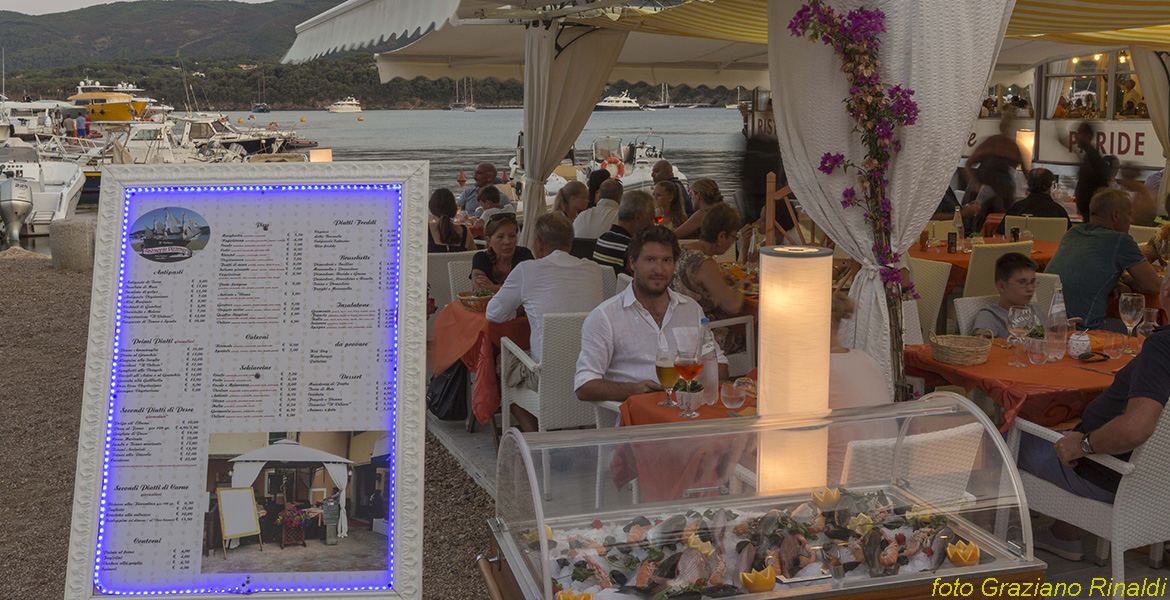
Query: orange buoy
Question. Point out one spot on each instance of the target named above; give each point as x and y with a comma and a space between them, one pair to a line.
239, 120
462, 179
361, 118
302, 119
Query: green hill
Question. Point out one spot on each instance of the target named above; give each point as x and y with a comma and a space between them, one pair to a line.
154, 28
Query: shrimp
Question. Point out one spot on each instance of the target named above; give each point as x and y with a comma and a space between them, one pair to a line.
584, 542
636, 533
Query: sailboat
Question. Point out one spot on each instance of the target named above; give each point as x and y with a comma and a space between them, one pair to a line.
470, 97
260, 106
737, 100
458, 103
663, 100
167, 241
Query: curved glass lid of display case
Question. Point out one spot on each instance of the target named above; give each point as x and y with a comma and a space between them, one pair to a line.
887, 496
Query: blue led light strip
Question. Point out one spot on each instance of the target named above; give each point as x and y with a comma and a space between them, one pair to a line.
395, 271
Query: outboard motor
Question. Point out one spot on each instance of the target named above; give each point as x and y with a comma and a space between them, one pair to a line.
15, 206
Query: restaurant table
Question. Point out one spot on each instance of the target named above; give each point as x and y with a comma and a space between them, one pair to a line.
991, 223
1047, 394
1042, 253
665, 469
464, 334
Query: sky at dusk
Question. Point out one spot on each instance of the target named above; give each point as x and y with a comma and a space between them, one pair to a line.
41, 7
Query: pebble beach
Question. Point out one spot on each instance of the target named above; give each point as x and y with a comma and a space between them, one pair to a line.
44, 320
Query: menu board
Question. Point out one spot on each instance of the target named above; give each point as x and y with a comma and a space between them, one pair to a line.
258, 344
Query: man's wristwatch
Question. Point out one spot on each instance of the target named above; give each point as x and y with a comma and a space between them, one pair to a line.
1086, 447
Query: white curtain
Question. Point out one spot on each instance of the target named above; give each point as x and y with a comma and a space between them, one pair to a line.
1056, 86
945, 51
559, 93
1153, 70
244, 473
338, 472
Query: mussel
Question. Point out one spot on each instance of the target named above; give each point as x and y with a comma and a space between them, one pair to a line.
640, 521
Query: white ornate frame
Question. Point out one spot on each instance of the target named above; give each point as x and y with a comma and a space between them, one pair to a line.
408, 466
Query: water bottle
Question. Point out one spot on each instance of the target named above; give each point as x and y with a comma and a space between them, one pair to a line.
958, 224
709, 376
1056, 326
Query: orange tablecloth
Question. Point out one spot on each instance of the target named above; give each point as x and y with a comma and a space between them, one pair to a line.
991, 223
1046, 394
459, 333
1042, 253
665, 468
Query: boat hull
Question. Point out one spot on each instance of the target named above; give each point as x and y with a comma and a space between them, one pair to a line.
344, 109
616, 108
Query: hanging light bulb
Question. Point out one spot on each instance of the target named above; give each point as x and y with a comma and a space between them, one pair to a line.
1121, 59
1076, 60
1096, 57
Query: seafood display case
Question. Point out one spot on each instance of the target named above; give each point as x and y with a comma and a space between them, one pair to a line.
853, 503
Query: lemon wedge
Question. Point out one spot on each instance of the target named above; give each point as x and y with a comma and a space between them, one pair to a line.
568, 595
758, 581
698, 544
920, 512
826, 499
860, 523
963, 554
530, 536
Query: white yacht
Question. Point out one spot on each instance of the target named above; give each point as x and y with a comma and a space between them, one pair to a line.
622, 102
348, 105
34, 191
631, 163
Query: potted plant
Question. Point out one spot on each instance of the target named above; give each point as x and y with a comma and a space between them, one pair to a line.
291, 522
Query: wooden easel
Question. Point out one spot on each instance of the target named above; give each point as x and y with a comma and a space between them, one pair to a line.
224, 537
844, 268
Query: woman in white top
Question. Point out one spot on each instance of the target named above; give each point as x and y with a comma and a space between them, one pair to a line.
855, 379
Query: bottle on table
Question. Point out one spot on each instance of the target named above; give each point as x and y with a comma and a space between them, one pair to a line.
1056, 326
709, 376
958, 224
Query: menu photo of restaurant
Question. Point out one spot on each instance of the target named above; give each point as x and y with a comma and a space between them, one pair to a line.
297, 501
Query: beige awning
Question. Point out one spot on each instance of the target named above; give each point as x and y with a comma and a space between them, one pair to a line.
497, 50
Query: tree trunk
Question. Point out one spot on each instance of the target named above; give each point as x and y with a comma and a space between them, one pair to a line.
902, 390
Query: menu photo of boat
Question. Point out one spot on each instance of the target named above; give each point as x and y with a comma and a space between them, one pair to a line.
169, 234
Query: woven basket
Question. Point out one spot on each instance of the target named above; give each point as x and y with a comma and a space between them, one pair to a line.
960, 350
474, 303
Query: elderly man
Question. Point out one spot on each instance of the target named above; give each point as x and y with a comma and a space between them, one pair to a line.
1122, 418
664, 171
635, 213
592, 222
553, 283
621, 338
484, 176
1092, 257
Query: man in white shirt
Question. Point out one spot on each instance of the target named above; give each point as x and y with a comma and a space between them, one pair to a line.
592, 222
554, 283
484, 176
621, 337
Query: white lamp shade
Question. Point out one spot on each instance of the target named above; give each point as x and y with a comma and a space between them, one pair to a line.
795, 312
795, 309
1026, 139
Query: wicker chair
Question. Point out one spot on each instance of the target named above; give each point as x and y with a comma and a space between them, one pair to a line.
459, 277
1141, 235
1050, 229
965, 309
438, 279
981, 271
608, 282
930, 281
555, 402
623, 280
1138, 515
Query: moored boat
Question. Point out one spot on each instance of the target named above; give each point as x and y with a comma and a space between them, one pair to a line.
347, 105
620, 102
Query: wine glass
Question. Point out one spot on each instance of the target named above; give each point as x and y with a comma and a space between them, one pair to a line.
1025, 233
1164, 251
1019, 324
688, 364
667, 376
1132, 308
1149, 322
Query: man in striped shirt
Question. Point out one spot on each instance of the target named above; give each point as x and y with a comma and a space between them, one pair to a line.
635, 213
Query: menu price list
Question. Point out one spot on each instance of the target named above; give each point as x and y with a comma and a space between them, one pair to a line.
268, 327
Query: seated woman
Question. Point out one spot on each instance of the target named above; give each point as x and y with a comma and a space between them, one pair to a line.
697, 275
855, 379
596, 178
571, 200
669, 205
491, 267
704, 195
489, 204
445, 235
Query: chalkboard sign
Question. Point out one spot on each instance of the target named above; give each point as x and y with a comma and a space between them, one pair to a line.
332, 512
237, 513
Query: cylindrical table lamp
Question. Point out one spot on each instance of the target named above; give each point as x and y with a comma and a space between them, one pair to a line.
795, 310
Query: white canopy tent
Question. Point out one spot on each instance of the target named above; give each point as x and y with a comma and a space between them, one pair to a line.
290, 455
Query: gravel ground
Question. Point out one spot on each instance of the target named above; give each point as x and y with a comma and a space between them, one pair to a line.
44, 319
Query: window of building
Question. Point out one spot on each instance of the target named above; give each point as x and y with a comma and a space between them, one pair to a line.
1094, 86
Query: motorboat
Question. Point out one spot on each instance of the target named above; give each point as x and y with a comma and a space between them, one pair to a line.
620, 102
347, 105
200, 130
27, 119
34, 191
119, 102
260, 107
631, 163
563, 173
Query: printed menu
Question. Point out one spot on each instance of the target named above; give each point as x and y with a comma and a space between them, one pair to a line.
256, 348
